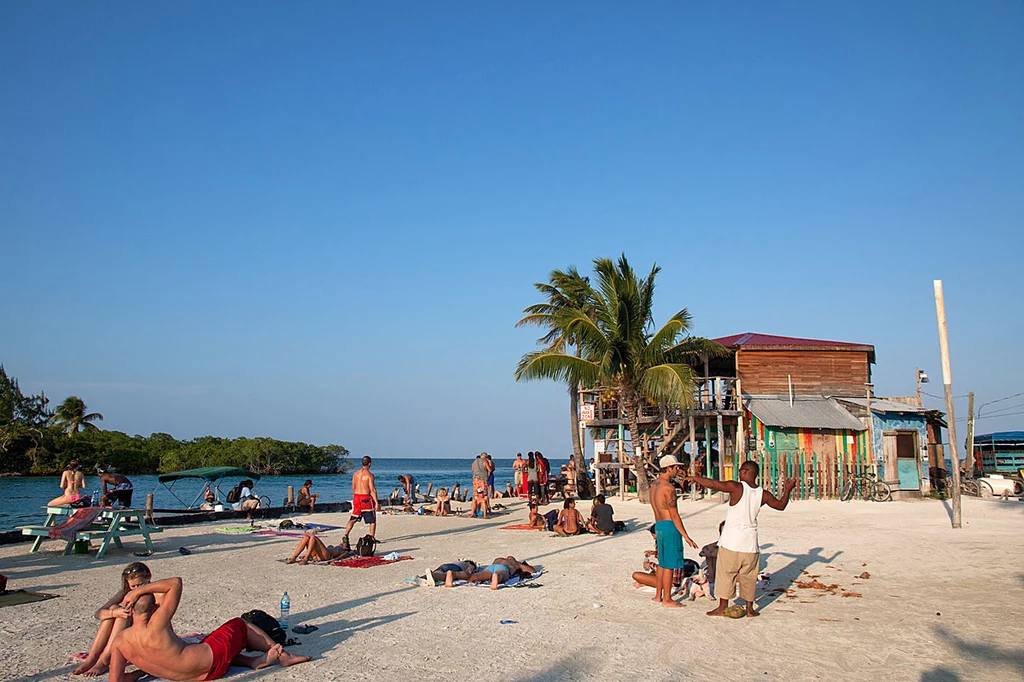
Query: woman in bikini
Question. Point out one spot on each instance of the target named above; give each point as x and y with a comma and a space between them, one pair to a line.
499, 571
113, 619
316, 550
570, 521
71, 482
450, 572
444, 503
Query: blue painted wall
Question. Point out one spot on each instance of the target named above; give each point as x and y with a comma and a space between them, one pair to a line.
896, 421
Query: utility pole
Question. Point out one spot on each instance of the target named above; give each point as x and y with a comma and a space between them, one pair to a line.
947, 384
969, 455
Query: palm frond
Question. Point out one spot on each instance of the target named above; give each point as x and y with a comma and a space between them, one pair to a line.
671, 383
557, 367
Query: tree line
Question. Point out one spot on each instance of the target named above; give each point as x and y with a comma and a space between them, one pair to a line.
35, 440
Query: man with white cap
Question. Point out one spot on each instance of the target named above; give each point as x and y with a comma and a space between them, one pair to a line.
668, 528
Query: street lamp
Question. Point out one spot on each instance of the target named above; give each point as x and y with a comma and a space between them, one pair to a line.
922, 378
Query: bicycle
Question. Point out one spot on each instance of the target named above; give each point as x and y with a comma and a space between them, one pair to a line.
972, 486
866, 487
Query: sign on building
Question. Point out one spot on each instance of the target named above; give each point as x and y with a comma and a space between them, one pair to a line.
587, 412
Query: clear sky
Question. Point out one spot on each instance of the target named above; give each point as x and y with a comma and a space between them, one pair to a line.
320, 221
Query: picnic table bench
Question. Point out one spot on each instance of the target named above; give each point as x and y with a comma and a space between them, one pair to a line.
109, 526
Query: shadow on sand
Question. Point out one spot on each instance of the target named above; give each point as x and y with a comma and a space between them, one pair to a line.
783, 578
988, 654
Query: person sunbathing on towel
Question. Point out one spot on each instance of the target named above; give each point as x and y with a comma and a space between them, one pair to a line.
151, 644
450, 572
316, 550
500, 571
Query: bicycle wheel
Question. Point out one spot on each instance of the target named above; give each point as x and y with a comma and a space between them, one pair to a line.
968, 486
880, 492
847, 493
985, 490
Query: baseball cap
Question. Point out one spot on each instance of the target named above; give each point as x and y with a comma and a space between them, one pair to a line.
668, 461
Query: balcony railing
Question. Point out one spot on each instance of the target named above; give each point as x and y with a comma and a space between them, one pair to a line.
710, 393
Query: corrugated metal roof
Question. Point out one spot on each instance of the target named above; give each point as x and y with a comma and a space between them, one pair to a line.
756, 340
806, 413
883, 405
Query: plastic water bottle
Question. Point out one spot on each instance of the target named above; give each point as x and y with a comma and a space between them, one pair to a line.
96, 497
286, 607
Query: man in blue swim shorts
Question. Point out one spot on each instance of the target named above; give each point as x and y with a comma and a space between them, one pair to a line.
668, 529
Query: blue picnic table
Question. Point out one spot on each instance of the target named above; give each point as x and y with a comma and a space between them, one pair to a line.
109, 526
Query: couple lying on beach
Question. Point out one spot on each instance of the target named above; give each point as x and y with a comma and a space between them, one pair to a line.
135, 629
570, 522
498, 572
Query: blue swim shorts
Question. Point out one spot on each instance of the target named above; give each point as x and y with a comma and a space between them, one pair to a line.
670, 544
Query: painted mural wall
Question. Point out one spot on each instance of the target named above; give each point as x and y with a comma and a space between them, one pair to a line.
896, 421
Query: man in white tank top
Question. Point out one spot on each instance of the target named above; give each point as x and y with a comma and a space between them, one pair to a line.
739, 554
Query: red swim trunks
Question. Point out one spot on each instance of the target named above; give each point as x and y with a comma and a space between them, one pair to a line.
362, 507
226, 642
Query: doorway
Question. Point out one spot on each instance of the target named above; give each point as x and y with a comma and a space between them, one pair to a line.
907, 460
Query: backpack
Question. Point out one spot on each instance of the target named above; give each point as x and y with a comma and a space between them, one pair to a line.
234, 494
366, 545
264, 621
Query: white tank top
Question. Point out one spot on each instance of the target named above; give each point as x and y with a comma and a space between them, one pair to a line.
740, 532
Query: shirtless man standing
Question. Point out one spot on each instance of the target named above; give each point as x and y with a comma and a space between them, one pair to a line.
151, 644
364, 502
668, 529
739, 554
71, 481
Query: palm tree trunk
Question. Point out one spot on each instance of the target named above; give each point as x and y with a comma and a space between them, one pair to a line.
583, 485
631, 404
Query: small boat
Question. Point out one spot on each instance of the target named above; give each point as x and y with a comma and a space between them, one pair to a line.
212, 476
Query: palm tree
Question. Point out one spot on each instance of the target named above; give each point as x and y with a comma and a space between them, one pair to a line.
621, 350
563, 290
72, 417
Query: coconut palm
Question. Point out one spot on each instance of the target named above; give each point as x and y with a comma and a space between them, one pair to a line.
564, 289
72, 416
621, 349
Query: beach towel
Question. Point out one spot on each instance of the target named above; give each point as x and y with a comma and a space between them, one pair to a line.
368, 561
322, 526
520, 526
514, 581
82, 518
15, 597
284, 533
238, 530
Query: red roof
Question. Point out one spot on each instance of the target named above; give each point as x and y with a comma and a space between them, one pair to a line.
754, 340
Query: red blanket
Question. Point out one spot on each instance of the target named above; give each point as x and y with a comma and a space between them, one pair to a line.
82, 518
368, 561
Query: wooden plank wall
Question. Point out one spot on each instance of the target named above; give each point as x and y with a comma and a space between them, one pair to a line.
814, 372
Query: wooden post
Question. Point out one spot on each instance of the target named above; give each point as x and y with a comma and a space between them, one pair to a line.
721, 452
741, 431
969, 455
291, 496
149, 508
693, 457
871, 431
947, 384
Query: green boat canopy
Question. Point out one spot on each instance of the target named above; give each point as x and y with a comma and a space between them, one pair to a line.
208, 474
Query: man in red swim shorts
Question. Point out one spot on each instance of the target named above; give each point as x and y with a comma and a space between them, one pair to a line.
151, 645
364, 502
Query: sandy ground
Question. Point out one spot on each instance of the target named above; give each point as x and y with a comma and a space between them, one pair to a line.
940, 605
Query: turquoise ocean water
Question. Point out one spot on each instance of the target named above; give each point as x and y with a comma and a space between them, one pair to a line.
23, 498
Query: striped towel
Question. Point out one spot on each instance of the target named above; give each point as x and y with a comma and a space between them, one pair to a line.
82, 518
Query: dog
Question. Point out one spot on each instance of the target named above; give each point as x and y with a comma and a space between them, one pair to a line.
699, 586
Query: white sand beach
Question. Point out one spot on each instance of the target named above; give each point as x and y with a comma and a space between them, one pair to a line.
939, 605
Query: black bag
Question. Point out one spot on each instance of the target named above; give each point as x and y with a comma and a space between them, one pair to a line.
620, 526
264, 621
234, 494
366, 545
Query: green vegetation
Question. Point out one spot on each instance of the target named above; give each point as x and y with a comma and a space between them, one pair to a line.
36, 441
611, 324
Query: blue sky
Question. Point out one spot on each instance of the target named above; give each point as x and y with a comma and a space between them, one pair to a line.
320, 222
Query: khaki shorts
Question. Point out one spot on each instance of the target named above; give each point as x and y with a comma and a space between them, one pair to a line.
736, 567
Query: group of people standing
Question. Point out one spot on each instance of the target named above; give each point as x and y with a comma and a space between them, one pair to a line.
531, 476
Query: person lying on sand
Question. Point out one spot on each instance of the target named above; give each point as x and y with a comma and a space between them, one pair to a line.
499, 571
151, 644
113, 619
570, 521
316, 550
450, 572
